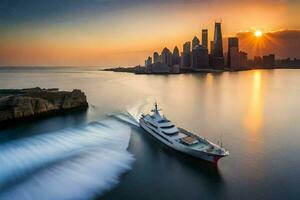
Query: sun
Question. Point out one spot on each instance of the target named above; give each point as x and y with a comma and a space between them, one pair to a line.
258, 33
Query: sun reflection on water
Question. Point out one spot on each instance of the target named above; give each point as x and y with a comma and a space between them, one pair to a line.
253, 125
254, 115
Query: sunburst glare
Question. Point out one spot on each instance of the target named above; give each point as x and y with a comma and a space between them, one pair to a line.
258, 33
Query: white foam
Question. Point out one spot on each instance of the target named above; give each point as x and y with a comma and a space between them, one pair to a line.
126, 117
76, 163
132, 115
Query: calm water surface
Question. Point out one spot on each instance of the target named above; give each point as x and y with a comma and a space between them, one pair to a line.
256, 113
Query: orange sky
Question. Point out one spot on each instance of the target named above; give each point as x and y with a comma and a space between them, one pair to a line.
124, 37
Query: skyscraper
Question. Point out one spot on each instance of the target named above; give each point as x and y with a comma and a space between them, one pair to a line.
232, 53
218, 57
218, 45
211, 47
166, 56
186, 55
148, 61
175, 56
234, 58
205, 38
155, 57
243, 58
187, 47
199, 57
195, 42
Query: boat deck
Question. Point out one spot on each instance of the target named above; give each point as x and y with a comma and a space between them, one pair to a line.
185, 137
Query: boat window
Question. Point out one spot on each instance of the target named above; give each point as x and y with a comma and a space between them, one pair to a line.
163, 121
152, 125
158, 134
166, 127
170, 133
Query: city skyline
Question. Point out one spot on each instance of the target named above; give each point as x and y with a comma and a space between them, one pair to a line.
197, 57
109, 33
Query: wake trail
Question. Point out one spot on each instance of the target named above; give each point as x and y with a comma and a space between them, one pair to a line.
76, 163
131, 115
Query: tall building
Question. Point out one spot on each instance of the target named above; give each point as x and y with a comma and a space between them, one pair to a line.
195, 42
166, 56
199, 57
257, 62
268, 61
232, 53
186, 55
234, 58
243, 58
175, 56
187, 47
155, 57
218, 45
211, 47
148, 62
211, 44
205, 38
218, 57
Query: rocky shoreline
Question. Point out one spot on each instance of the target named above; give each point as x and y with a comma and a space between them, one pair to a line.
19, 105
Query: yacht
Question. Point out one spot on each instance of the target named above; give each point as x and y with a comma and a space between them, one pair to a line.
179, 139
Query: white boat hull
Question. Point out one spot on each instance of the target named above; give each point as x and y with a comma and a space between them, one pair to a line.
182, 148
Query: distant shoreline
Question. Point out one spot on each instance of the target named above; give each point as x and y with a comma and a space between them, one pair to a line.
135, 70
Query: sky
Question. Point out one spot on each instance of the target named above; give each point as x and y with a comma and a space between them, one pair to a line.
125, 32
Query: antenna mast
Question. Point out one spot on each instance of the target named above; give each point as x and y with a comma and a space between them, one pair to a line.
221, 140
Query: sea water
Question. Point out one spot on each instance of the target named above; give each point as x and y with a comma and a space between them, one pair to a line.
103, 154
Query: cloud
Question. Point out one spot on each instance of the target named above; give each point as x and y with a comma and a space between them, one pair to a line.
30, 10
102, 32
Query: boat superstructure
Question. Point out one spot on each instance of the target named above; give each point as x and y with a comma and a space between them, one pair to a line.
179, 139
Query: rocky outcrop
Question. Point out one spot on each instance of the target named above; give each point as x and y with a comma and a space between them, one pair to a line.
16, 105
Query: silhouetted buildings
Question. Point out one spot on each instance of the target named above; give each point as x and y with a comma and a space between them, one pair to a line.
217, 56
148, 62
186, 55
268, 61
243, 59
166, 56
199, 57
211, 47
233, 53
234, 59
175, 57
195, 42
205, 38
288, 63
156, 57
257, 62
165, 63
218, 44
159, 68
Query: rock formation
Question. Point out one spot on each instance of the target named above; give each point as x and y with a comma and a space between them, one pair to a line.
16, 105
